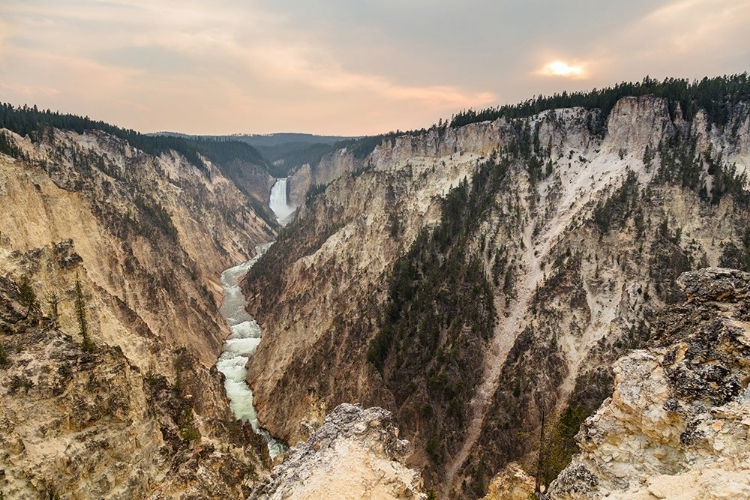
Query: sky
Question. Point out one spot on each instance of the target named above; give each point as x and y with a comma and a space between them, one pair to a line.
345, 67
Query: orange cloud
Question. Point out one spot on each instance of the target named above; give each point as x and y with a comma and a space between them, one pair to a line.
28, 91
318, 70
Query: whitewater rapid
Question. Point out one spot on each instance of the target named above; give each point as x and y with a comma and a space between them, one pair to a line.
238, 349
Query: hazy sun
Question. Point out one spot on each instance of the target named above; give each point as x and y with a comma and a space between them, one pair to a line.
560, 68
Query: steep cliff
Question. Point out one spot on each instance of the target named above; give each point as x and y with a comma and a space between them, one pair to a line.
90, 225
477, 280
86, 423
330, 167
677, 424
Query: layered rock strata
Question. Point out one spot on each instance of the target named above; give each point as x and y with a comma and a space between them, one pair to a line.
112, 260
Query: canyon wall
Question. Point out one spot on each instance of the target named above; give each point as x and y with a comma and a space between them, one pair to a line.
479, 280
111, 259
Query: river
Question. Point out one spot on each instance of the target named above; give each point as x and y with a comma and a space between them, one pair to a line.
238, 349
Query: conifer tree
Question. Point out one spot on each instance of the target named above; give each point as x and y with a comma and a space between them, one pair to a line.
27, 297
88, 345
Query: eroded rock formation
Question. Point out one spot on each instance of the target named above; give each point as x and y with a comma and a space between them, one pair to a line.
355, 454
564, 239
678, 423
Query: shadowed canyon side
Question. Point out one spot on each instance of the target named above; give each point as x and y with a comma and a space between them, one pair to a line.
479, 279
110, 324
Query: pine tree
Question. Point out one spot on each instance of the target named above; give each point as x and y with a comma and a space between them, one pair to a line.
88, 345
54, 301
27, 297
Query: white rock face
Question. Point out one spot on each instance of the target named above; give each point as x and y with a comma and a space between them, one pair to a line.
356, 454
678, 423
638, 122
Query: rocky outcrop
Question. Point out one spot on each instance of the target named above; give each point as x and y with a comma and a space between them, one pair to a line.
331, 167
356, 453
678, 422
512, 483
637, 122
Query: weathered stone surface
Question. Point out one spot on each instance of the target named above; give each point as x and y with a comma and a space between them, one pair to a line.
356, 453
512, 483
678, 423
80, 424
715, 284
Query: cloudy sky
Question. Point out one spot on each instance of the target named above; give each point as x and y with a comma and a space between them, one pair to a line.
346, 67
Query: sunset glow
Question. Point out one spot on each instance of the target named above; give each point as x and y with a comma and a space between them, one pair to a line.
346, 68
560, 68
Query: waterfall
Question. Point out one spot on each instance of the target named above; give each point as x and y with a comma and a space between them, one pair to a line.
279, 202
238, 348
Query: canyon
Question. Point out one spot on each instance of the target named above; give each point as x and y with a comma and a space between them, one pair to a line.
538, 304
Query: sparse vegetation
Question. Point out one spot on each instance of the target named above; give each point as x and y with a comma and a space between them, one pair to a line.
648, 158
3, 355
559, 446
53, 301
8, 146
27, 297
622, 204
188, 430
313, 192
20, 382
83, 328
155, 218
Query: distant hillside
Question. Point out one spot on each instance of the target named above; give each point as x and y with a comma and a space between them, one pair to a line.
284, 152
268, 140
237, 160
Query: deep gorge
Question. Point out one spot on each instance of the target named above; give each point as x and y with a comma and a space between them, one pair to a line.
486, 283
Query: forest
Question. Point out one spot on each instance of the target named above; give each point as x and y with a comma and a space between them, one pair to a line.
717, 96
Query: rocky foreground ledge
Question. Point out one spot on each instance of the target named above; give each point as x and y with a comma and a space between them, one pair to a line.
355, 454
678, 423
